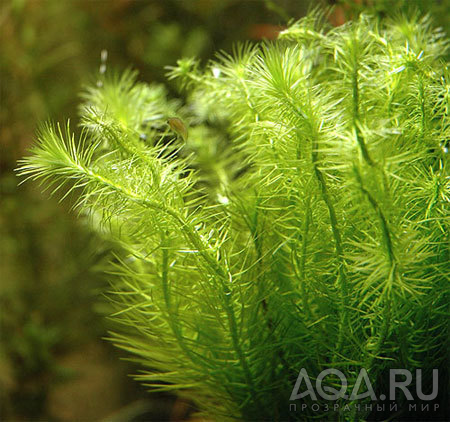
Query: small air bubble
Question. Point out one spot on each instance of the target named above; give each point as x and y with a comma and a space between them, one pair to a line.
223, 199
102, 69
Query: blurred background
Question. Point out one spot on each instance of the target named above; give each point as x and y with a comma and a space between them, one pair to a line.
55, 364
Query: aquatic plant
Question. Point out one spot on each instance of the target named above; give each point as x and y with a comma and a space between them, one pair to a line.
293, 214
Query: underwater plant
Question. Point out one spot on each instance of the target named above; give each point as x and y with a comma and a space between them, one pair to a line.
292, 214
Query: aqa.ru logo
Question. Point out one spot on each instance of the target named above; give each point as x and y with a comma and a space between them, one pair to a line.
330, 393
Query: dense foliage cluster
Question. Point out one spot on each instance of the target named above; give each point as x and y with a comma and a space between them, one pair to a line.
299, 222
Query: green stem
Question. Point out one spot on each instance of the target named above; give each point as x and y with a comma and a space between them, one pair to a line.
172, 316
299, 267
387, 238
195, 240
342, 279
356, 121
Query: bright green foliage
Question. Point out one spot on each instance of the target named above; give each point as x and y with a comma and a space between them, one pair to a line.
313, 236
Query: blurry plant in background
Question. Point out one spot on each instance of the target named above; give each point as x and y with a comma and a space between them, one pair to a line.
45, 294
439, 9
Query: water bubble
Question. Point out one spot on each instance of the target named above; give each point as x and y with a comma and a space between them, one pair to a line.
223, 199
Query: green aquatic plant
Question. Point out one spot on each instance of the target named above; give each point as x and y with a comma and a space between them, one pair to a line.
300, 221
